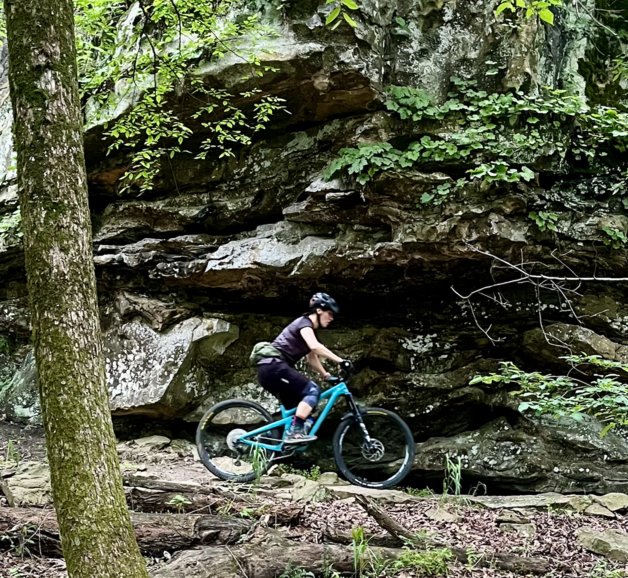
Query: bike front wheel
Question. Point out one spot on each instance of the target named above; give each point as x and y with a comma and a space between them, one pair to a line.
381, 461
217, 442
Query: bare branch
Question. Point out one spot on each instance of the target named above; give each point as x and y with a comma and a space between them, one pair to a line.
565, 287
527, 275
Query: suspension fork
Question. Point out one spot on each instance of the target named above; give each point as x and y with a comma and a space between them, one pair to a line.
357, 414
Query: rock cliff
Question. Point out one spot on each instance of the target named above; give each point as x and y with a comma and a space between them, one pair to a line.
222, 252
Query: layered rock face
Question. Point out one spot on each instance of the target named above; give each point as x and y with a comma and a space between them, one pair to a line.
222, 253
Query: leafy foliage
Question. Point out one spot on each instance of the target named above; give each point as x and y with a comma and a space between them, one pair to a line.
501, 137
604, 396
614, 238
147, 53
339, 13
545, 220
539, 8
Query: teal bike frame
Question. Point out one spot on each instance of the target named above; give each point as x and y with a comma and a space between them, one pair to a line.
332, 394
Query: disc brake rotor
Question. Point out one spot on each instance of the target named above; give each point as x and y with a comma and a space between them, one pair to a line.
373, 451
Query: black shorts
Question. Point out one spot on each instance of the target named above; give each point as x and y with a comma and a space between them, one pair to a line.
283, 381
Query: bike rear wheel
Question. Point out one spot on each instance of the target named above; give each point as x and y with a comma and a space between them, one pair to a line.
217, 440
382, 463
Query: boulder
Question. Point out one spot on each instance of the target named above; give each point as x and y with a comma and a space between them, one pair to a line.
550, 457
568, 338
612, 544
157, 373
28, 486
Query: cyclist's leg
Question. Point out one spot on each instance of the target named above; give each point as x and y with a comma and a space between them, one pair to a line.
293, 390
272, 378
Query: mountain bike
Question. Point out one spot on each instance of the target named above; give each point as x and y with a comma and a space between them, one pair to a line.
238, 440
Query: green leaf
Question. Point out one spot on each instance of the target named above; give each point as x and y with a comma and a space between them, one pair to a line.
547, 16
527, 174
332, 15
351, 4
608, 427
504, 6
350, 21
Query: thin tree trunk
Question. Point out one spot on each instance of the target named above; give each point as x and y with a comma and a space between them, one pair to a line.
96, 533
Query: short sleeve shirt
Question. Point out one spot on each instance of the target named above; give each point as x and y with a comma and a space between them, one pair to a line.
291, 343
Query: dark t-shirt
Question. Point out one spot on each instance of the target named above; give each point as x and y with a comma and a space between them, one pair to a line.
291, 343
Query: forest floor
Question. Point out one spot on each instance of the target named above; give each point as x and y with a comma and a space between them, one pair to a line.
443, 524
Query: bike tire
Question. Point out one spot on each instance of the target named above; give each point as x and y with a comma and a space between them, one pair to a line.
215, 436
364, 466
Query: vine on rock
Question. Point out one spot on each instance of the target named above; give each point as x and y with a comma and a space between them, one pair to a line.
499, 138
137, 59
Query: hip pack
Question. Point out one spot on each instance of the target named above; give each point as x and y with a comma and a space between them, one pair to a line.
263, 349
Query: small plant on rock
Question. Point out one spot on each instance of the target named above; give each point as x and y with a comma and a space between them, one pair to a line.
424, 562
179, 502
452, 484
614, 238
313, 473
419, 492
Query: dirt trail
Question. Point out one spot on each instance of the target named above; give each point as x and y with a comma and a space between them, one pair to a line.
281, 507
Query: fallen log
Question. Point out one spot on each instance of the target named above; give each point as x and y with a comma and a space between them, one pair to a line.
155, 495
147, 500
267, 557
38, 530
504, 561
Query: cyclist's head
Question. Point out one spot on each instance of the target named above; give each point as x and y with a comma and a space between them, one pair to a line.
325, 302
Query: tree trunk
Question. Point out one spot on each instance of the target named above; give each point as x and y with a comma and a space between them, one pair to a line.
96, 533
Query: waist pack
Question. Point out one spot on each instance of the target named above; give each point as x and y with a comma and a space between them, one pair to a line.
263, 349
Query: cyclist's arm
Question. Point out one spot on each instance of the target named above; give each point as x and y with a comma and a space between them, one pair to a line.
316, 346
316, 365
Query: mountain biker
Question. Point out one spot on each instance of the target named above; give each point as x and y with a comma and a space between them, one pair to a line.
278, 376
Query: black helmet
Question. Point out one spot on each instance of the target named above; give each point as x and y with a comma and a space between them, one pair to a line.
325, 302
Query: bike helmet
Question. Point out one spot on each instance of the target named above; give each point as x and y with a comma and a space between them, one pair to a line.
325, 302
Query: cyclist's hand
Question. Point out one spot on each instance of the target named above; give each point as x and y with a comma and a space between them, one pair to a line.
333, 379
346, 366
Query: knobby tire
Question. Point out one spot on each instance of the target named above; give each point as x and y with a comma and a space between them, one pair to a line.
397, 443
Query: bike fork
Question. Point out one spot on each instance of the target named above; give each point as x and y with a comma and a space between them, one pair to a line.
358, 417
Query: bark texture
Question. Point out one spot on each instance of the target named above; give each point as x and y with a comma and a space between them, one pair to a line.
155, 532
96, 533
